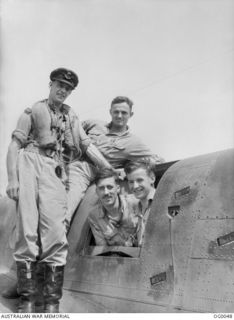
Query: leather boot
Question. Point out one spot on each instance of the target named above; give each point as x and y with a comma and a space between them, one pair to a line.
40, 279
26, 286
53, 287
11, 292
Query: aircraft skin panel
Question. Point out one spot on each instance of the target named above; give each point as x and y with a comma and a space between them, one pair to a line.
209, 233
116, 277
177, 193
181, 192
190, 233
82, 302
217, 200
210, 286
212, 258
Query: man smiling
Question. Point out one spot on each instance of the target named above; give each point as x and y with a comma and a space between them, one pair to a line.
113, 220
37, 163
141, 178
115, 140
117, 144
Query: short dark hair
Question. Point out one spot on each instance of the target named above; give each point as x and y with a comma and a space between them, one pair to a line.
121, 99
106, 173
139, 164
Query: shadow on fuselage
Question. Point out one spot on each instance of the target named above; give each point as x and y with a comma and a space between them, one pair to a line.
186, 262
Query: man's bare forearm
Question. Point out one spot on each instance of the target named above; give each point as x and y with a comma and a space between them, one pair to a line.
12, 154
13, 183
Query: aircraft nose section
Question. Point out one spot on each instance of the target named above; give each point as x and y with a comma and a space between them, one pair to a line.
196, 195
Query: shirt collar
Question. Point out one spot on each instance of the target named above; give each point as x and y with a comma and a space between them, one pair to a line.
64, 108
150, 197
108, 126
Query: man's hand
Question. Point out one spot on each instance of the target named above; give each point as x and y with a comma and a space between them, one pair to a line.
158, 159
129, 243
13, 190
121, 174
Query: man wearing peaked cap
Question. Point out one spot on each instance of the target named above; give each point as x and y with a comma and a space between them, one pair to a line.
50, 136
66, 76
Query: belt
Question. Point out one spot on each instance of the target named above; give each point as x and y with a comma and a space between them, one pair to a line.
50, 154
42, 151
68, 155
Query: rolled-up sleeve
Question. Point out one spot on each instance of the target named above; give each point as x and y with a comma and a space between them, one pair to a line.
137, 150
85, 125
23, 127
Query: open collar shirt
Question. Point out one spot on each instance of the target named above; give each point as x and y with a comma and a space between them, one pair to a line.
26, 131
143, 215
117, 148
109, 231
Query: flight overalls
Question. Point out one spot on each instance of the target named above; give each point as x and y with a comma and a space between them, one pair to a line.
41, 209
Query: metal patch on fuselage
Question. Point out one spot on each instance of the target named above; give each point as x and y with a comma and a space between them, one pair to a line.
225, 239
181, 192
158, 278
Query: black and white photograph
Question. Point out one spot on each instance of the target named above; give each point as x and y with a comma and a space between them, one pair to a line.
117, 158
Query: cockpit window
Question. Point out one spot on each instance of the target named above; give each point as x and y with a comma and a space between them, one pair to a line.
90, 249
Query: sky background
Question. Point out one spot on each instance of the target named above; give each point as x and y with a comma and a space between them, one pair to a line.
173, 58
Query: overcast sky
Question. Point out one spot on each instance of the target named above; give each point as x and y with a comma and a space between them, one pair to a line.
173, 58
